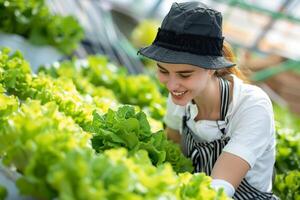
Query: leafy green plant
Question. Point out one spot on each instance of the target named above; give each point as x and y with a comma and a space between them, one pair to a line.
99, 72
42, 137
288, 150
33, 20
288, 154
288, 138
125, 128
288, 185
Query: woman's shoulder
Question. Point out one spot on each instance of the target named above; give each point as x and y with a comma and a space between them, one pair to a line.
252, 118
249, 100
250, 95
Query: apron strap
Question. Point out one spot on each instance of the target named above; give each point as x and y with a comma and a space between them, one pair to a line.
224, 92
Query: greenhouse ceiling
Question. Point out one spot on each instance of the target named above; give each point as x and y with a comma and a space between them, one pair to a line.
262, 25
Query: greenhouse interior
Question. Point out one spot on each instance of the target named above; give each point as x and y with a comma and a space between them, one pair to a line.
83, 115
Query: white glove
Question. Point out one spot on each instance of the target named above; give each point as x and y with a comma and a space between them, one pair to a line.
219, 183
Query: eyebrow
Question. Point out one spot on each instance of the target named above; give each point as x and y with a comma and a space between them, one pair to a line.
182, 71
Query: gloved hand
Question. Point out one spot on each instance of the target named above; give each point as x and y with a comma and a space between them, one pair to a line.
219, 183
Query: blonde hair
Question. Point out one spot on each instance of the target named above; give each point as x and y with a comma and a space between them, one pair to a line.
229, 55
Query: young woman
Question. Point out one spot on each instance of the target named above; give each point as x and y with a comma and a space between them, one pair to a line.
225, 125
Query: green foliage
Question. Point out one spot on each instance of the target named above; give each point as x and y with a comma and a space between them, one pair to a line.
43, 135
288, 185
8, 104
15, 72
17, 79
19, 135
56, 161
288, 150
125, 128
34, 147
98, 72
288, 137
288, 154
33, 20
195, 187
285, 119
3, 192
64, 93
144, 34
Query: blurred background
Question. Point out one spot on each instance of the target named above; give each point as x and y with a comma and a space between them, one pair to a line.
264, 34
83, 55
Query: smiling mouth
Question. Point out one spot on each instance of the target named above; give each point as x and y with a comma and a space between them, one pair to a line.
178, 94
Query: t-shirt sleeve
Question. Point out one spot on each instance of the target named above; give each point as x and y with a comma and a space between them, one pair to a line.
174, 115
251, 133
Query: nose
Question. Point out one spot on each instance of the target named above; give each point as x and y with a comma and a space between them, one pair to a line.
172, 84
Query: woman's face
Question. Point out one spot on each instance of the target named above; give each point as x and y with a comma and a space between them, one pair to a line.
183, 81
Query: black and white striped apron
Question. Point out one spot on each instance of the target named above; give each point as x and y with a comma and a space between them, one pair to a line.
205, 154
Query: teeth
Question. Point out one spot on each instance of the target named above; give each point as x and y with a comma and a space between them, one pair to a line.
178, 93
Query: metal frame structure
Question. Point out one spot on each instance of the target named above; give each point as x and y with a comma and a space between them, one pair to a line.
102, 35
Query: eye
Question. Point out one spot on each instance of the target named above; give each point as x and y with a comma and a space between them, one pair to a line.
163, 72
184, 75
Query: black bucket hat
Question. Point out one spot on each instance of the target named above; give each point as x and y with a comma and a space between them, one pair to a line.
191, 33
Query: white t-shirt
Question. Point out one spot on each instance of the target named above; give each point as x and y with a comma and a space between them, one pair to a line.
250, 127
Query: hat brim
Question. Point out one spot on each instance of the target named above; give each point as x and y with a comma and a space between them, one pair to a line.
165, 55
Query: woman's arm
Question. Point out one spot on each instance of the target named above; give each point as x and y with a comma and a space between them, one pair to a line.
173, 135
251, 132
230, 168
